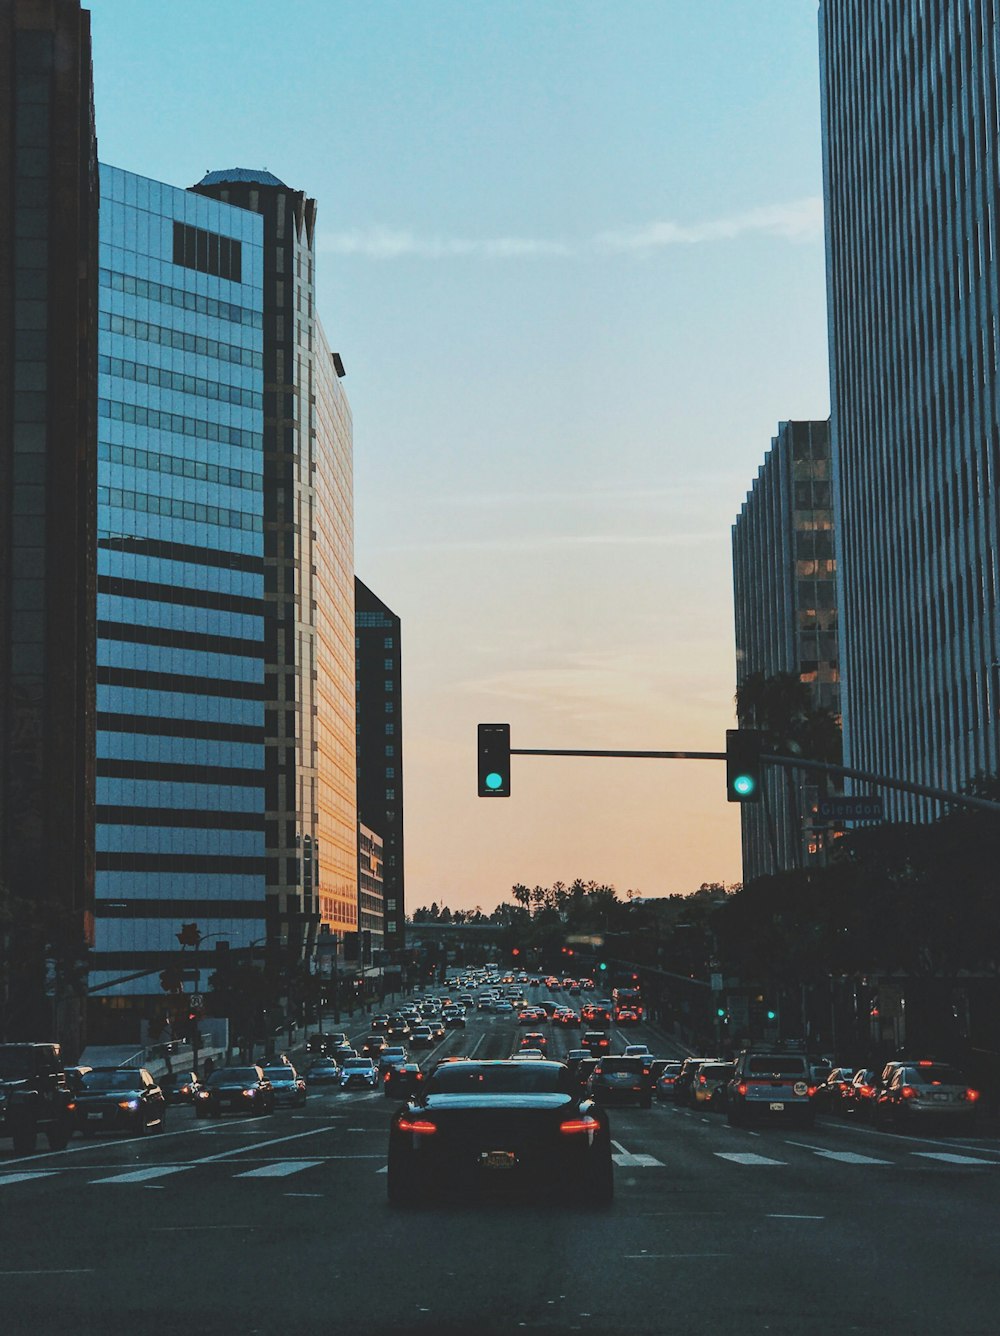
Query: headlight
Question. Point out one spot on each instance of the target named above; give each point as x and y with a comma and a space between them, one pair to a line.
128, 1103
202, 1094
249, 1093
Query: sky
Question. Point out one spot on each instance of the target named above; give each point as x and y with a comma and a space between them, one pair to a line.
572, 257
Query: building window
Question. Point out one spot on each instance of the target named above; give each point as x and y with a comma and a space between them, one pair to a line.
389, 730
390, 772
390, 750
387, 665
388, 686
208, 252
387, 642
389, 707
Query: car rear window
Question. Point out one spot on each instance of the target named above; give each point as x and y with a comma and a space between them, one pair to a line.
533, 1078
621, 1065
777, 1066
717, 1070
936, 1075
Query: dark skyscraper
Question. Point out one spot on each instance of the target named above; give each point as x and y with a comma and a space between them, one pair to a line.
380, 745
912, 178
48, 428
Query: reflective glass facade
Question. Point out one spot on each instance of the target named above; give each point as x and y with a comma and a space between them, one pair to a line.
784, 584
181, 639
911, 119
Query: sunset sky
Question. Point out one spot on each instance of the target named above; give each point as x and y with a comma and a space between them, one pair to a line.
572, 257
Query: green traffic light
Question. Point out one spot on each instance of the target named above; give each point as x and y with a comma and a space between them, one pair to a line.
494, 781
744, 785
772, 1015
602, 966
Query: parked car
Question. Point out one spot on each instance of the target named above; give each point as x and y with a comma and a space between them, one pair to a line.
120, 1099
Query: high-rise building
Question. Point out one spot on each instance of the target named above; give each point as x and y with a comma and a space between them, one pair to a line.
371, 897
311, 793
786, 620
180, 551
912, 178
380, 745
48, 511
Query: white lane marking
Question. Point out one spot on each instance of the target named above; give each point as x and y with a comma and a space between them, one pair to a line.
261, 1145
746, 1158
638, 1161
951, 1159
280, 1170
305, 1194
383, 1170
141, 1175
849, 1157
772, 1216
24, 1178
478, 1043
68, 1271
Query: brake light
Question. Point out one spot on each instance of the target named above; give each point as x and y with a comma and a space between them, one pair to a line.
702, 1080
926, 1062
811, 1091
972, 1095
572, 1125
418, 1126
72, 1103
742, 1088
908, 1092
866, 1090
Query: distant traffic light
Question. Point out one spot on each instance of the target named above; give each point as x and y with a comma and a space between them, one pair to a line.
743, 749
189, 935
171, 980
515, 950
494, 760
602, 966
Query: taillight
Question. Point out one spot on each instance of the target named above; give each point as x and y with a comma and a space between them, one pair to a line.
418, 1126
572, 1125
703, 1080
742, 1088
972, 1095
866, 1090
811, 1091
908, 1092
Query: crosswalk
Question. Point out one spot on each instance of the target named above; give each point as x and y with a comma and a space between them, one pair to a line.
626, 1160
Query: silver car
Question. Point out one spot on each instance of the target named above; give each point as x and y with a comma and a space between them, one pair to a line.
927, 1092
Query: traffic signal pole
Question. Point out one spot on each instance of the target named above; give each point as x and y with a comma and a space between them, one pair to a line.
787, 762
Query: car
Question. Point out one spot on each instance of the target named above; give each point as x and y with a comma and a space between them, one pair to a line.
358, 1072
324, 1071
927, 1092
528, 1055
393, 1056
422, 1036
569, 1017
341, 1051
374, 1045
710, 1087
830, 1092
503, 1008
626, 1016
663, 1083
398, 1028
454, 1018
120, 1099
596, 1041
575, 1056
533, 1039
857, 1099
380, 1024
180, 1087
35, 1096
683, 1079
638, 1051
402, 1080
288, 1086
497, 1127
243, 1089
621, 1079
772, 1086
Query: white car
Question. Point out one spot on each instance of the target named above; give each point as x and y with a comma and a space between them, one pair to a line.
358, 1072
528, 1055
637, 1051
503, 1009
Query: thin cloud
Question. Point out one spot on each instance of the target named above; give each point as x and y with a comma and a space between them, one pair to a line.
554, 542
798, 221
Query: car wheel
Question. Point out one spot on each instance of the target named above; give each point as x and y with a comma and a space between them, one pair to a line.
58, 1137
25, 1138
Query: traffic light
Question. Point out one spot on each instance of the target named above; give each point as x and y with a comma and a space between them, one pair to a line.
189, 935
602, 966
515, 950
743, 749
494, 760
171, 980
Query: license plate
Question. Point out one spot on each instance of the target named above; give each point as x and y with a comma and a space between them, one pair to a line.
777, 1108
95, 1115
498, 1159
941, 1098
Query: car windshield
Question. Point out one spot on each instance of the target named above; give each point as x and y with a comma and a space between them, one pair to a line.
230, 1074
475, 1078
117, 1080
621, 1065
358, 1064
282, 1073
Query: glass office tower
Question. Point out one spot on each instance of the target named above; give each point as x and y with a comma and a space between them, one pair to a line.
180, 658
912, 178
786, 622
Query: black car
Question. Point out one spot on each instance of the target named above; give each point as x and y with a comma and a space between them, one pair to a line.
402, 1080
621, 1080
497, 1127
180, 1087
119, 1099
288, 1086
245, 1089
324, 1071
35, 1096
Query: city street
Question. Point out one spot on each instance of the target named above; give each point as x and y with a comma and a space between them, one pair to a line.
281, 1223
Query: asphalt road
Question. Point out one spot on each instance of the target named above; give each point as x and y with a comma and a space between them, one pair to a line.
280, 1224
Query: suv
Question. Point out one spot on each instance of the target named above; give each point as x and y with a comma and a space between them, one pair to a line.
34, 1096
771, 1085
